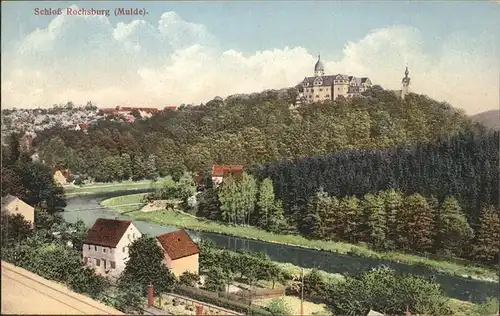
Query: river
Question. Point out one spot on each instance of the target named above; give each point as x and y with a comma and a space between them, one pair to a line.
461, 288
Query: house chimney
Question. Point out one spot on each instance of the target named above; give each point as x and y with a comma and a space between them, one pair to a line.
150, 296
199, 310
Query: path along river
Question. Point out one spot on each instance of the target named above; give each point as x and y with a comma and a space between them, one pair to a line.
462, 288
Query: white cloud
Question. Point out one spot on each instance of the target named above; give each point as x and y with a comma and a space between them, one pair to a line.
175, 61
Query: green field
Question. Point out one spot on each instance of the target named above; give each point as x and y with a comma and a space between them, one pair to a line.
111, 187
120, 204
187, 221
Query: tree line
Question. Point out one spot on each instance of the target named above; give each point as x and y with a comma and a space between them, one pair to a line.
386, 220
248, 130
464, 166
392, 221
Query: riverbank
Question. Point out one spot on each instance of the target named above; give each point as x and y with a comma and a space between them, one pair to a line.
89, 189
187, 221
126, 203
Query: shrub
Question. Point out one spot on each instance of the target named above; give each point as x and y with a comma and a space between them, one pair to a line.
278, 306
383, 290
189, 279
486, 308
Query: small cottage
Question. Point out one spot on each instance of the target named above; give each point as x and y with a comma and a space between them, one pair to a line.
14, 205
181, 252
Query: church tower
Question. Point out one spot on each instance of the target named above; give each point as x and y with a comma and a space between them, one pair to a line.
319, 69
405, 84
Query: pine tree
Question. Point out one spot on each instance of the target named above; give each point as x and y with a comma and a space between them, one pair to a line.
312, 221
419, 224
453, 230
393, 202
349, 218
375, 221
331, 220
486, 243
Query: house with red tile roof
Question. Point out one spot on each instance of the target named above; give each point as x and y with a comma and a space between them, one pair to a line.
219, 172
106, 245
181, 252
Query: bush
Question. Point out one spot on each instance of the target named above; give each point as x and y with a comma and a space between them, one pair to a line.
278, 306
383, 290
487, 308
213, 298
189, 279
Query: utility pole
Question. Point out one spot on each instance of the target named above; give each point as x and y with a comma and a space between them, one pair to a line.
302, 292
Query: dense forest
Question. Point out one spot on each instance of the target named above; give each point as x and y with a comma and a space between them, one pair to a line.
465, 166
248, 130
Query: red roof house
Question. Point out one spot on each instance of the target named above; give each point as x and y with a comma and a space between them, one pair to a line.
181, 252
219, 172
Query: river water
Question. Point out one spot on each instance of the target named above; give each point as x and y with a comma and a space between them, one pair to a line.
462, 288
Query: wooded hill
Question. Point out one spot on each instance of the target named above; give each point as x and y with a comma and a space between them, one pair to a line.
247, 130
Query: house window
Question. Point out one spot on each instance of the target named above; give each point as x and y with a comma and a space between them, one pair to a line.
111, 250
103, 250
89, 247
327, 96
320, 89
97, 262
124, 249
133, 235
128, 236
95, 248
85, 260
317, 95
112, 264
104, 263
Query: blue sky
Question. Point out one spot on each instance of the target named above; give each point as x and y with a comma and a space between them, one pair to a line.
183, 52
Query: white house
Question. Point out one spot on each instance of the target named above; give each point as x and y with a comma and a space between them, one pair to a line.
106, 245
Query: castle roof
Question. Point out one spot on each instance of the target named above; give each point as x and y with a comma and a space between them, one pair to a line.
329, 80
319, 66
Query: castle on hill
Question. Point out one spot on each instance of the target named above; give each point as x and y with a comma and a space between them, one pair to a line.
321, 87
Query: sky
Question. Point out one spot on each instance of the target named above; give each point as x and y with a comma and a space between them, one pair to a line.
191, 52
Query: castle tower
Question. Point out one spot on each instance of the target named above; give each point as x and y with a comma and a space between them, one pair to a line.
405, 89
319, 69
